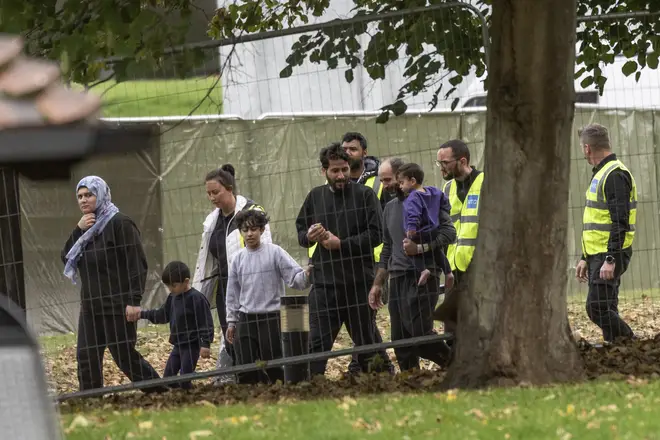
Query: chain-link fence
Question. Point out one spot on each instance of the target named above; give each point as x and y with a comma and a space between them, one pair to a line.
271, 128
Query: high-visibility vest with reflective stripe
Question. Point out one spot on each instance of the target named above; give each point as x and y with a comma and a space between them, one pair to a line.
596, 220
372, 182
466, 221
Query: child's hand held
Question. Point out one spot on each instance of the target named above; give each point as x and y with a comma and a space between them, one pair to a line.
230, 334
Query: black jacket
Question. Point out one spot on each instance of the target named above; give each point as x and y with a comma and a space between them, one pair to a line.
189, 315
112, 268
371, 165
354, 215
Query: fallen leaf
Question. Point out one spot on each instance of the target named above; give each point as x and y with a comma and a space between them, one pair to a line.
78, 421
198, 434
147, 424
594, 424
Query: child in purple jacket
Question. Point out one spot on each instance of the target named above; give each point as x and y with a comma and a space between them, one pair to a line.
421, 212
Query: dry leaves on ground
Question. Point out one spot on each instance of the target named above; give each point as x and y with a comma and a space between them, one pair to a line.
635, 358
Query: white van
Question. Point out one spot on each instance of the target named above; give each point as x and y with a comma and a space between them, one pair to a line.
620, 91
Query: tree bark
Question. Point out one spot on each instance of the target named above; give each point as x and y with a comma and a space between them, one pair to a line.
513, 324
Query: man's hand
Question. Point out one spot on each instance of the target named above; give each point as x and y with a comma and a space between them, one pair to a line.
205, 352
409, 247
449, 281
87, 221
132, 313
376, 297
607, 271
581, 271
308, 270
317, 233
332, 243
231, 332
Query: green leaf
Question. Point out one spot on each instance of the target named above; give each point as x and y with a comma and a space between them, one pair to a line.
383, 117
586, 82
456, 80
399, 108
349, 76
629, 51
376, 72
454, 103
652, 60
638, 75
629, 68
286, 72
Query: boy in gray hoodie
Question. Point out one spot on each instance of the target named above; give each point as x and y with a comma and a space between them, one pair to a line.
257, 279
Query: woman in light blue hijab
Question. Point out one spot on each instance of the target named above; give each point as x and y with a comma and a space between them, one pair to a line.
104, 253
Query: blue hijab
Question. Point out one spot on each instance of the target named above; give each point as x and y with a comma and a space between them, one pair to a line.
105, 210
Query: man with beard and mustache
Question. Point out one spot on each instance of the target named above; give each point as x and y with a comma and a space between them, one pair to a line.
364, 170
345, 220
463, 188
411, 306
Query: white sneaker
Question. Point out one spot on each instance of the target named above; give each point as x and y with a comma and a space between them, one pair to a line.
225, 379
224, 361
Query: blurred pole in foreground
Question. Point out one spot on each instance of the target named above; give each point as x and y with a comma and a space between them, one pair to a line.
26, 411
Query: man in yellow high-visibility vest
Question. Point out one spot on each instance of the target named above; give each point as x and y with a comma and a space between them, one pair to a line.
364, 170
463, 188
608, 230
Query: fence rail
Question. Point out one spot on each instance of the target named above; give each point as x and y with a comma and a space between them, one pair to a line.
275, 155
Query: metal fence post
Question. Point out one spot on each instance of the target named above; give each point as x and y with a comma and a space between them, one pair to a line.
294, 314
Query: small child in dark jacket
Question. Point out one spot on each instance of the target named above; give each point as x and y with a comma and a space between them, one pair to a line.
191, 324
421, 216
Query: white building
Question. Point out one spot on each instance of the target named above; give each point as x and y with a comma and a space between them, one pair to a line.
252, 86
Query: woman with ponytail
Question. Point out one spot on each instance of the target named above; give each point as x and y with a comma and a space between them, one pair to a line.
221, 241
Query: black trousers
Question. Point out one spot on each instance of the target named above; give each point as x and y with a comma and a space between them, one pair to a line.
258, 338
98, 332
183, 358
411, 315
221, 309
603, 299
332, 307
354, 365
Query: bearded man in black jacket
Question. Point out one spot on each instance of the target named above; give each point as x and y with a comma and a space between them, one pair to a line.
341, 224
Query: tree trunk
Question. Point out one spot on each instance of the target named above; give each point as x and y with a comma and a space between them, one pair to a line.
513, 324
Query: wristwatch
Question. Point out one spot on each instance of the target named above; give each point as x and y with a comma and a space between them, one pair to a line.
609, 259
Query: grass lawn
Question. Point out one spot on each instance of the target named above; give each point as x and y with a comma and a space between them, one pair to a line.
160, 97
593, 410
